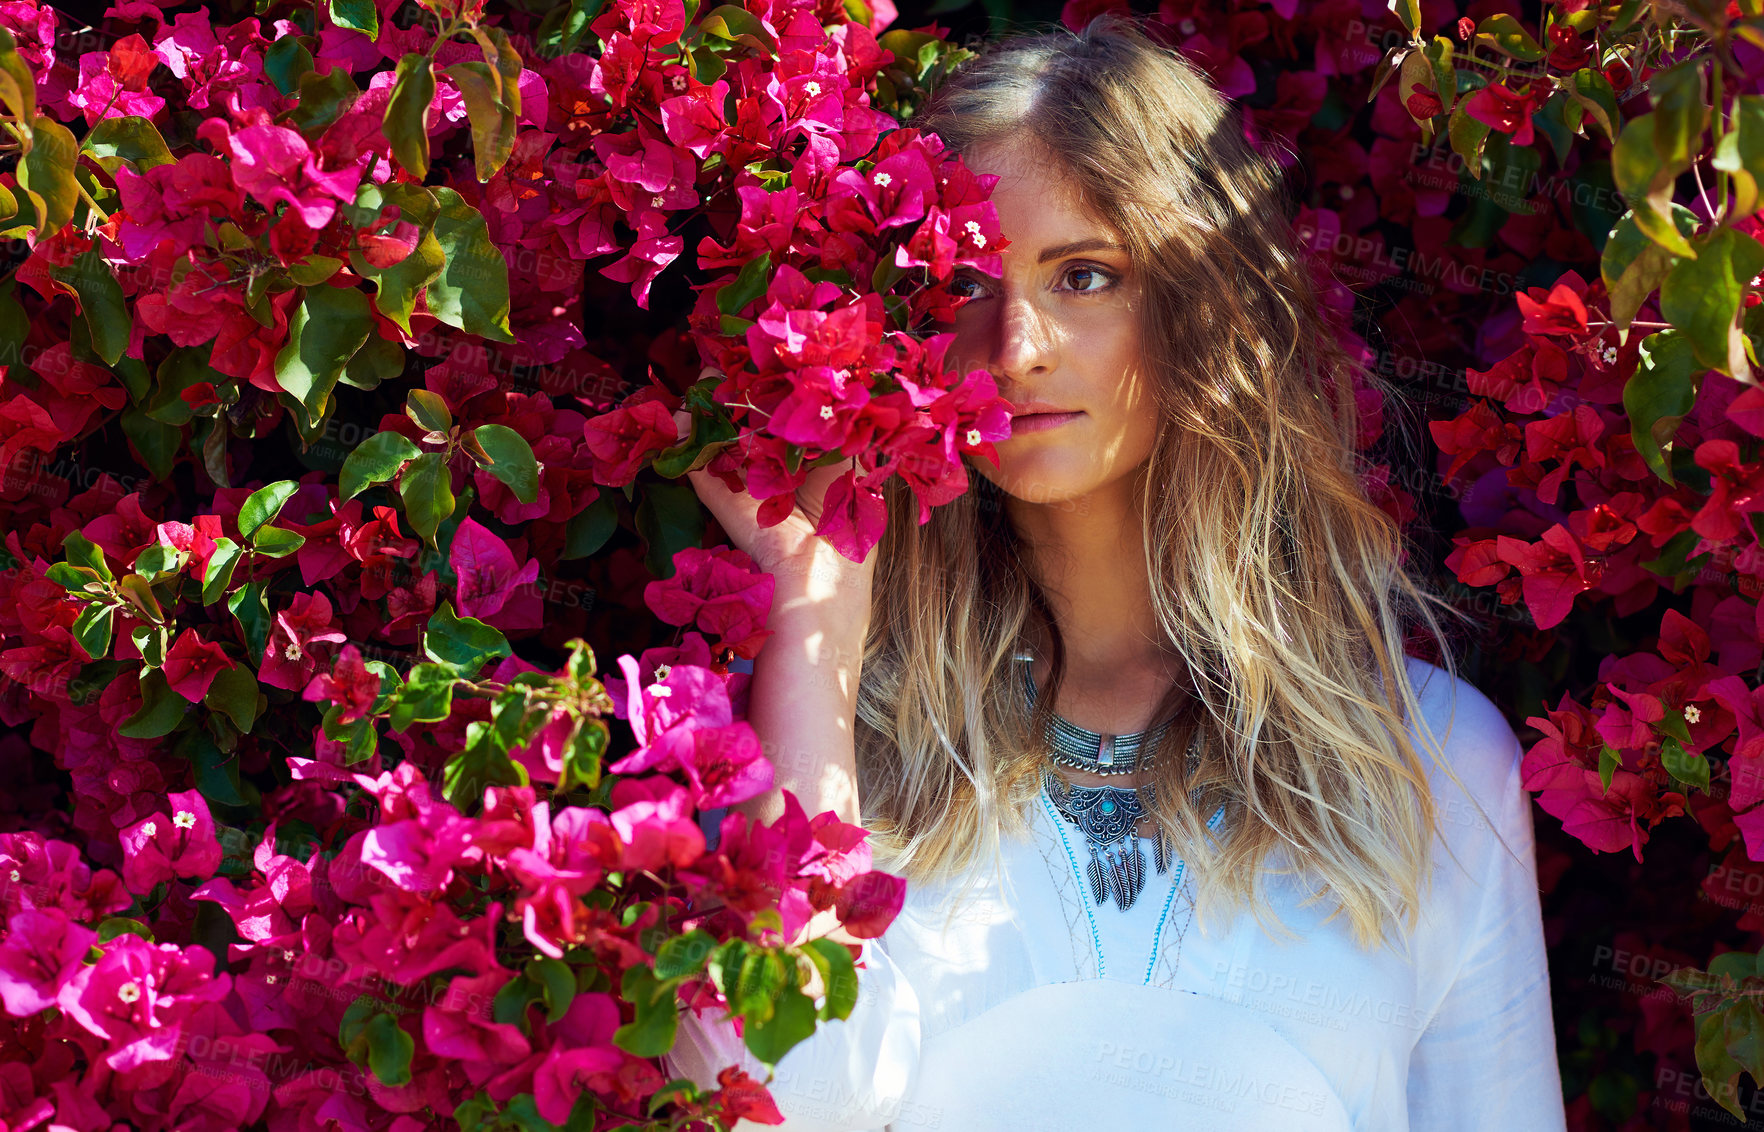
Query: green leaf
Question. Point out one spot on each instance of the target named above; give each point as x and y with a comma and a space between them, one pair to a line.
838, 975
83, 553
511, 460
47, 174
277, 542
406, 123
181, 369
1633, 266
492, 121
1681, 111
463, 641
1467, 136
426, 487
1646, 183
234, 694
91, 629
131, 139
588, 531
428, 410
398, 286
219, 574
101, 302
684, 954
1702, 298
18, 87
749, 285
1688, 767
390, 1049
248, 607
263, 505
1593, 91
737, 24
651, 1033
1503, 33
669, 520
286, 62
359, 15
376, 361
1740, 153
161, 709
792, 1021
471, 292
322, 99
427, 696
378, 459
1658, 395
557, 981
314, 269
483, 763
326, 330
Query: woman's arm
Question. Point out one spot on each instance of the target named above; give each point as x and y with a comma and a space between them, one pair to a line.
1488, 1056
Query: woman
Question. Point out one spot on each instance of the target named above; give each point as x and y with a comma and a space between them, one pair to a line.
1133, 715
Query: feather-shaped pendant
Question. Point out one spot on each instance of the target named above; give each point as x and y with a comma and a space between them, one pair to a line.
1099, 889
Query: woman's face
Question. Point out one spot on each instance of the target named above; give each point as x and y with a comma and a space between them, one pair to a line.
1059, 332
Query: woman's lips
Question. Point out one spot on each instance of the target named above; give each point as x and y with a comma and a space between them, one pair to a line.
1040, 422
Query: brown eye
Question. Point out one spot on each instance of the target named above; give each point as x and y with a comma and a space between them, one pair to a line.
966, 287
1088, 279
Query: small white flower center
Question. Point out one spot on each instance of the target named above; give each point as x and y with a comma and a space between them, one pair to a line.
813, 90
1186, 27
973, 437
882, 180
655, 201
1610, 354
184, 819
1692, 713
826, 412
129, 992
292, 652
151, 829
678, 82
270, 980
660, 691
15, 874
661, 672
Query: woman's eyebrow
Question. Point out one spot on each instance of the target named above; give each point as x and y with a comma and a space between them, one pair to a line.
1091, 244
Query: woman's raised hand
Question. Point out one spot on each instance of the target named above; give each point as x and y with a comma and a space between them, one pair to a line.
802, 702
805, 564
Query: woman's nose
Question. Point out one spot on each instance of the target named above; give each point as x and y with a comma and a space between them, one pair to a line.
1024, 343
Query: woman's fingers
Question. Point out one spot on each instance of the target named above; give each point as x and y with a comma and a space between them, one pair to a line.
736, 511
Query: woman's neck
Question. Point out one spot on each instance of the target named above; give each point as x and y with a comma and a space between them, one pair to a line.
1088, 556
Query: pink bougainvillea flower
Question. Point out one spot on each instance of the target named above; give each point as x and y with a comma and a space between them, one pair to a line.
191, 664
1500, 109
721, 591
41, 951
349, 684
289, 657
179, 844
138, 997
275, 165
653, 817
493, 586
684, 722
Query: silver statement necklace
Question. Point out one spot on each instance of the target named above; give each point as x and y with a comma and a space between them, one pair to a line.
1107, 816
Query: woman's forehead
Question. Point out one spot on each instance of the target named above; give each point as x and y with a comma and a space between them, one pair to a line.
1039, 202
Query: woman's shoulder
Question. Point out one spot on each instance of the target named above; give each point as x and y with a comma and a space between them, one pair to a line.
1474, 737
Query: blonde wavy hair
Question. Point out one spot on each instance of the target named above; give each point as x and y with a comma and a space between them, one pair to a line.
1274, 577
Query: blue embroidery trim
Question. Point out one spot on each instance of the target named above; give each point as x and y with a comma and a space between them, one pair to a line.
1175, 883
1084, 897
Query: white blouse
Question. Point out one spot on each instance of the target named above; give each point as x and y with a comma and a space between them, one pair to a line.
1028, 1007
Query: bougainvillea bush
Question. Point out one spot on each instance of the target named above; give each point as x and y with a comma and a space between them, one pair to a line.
341, 344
